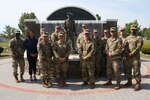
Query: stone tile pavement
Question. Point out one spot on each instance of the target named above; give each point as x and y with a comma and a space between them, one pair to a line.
9, 90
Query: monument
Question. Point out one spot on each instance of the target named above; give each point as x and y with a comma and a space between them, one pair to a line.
80, 16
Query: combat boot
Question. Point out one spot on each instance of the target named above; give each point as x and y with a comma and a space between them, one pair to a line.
59, 83
137, 86
108, 83
34, 77
117, 87
84, 83
31, 78
64, 83
16, 78
92, 85
21, 78
129, 83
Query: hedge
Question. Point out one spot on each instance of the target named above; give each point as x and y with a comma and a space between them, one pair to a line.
146, 47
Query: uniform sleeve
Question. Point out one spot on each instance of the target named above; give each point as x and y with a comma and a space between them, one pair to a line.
92, 51
107, 48
39, 49
12, 48
55, 51
119, 48
78, 41
139, 46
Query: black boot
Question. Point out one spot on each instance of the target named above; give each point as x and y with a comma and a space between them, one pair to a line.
129, 83
84, 83
92, 85
108, 83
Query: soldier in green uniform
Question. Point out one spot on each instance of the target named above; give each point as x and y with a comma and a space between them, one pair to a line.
87, 49
17, 52
113, 51
104, 55
134, 44
61, 51
45, 58
98, 42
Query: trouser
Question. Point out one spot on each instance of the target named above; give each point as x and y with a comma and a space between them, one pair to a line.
15, 63
113, 66
88, 71
136, 65
104, 65
32, 64
72, 40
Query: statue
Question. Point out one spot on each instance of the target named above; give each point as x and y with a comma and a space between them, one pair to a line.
70, 31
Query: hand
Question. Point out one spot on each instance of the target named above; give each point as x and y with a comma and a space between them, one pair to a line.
130, 55
109, 55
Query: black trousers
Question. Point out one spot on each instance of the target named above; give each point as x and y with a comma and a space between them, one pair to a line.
32, 64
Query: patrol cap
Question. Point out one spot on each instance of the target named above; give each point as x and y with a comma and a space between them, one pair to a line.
113, 29
95, 30
105, 31
17, 32
42, 30
133, 27
57, 27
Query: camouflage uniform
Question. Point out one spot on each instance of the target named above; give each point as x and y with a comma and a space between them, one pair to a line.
104, 58
17, 53
98, 44
61, 50
45, 55
134, 44
88, 62
114, 47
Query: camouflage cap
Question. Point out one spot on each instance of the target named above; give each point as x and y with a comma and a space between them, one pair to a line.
87, 31
57, 27
112, 29
42, 30
133, 27
105, 31
45, 34
83, 25
95, 30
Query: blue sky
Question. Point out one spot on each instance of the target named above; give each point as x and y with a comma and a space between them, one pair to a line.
123, 10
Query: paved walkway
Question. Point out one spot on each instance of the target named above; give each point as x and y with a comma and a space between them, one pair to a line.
9, 90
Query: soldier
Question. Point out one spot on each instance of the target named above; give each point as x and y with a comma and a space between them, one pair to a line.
104, 55
134, 44
81, 35
54, 35
70, 29
61, 51
113, 51
42, 31
45, 55
87, 49
17, 53
123, 58
98, 55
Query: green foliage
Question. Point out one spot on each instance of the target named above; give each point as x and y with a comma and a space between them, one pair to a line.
8, 33
128, 26
22, 18
5, 46
146, 47
146, 32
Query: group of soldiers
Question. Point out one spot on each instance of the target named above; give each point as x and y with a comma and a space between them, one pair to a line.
98, 56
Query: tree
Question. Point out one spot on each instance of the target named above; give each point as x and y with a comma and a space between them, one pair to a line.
128, 26
146, 33
8, 33
22, 18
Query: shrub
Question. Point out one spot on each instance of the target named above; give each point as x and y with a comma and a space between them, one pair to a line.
146, 47
1, 49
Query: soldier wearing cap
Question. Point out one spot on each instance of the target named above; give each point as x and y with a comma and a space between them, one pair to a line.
45, 58
17, 52
104, 56
54, 35
61, 51
134, 44
123, 38
88, 64
113, 51
98, 42
70, 30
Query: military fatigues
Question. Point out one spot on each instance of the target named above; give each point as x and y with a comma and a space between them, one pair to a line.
88, 65
17, 53
104, 57
114, 46
98, 55
54, 37
133, 46
61, 50
45, 55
